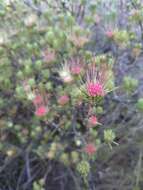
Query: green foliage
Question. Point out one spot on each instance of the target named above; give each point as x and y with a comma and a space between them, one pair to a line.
52, 84
140, 104
130, 84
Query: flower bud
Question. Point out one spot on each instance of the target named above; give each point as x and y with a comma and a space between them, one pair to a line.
38, 64
83, 168
27, 70
30, 96
20, 75
109, 136
62, 100
64, 158
50, 36
31, 82
74, 156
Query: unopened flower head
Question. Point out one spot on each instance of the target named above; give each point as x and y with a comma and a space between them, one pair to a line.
49, 56
93, 120
28, 90
65, 73
110, 33
75, 65
26, 87
40, 102
62, 100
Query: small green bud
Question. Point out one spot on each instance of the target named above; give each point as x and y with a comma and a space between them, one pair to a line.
89, 19
35, 45
45, 73
38, 129
31, 82
30, 96
110, 85
78, 142
98, 141
56, 44
93, 132
20, 74
64, 158
46, 136
70, 19
99, 110
130, 83
140, 104
74, 156
109, 136
49, 86
83, 168
50, 36
9, 124
29, 46
19, 90
33, 134
28, 69
17, 127
38, 64
88, 55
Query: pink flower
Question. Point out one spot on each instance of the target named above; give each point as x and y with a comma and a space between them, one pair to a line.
93, 120
110, 34
75, 65
63, 100
49, 56
95, 89
41, 111
95, 82
90, 149
76, 70
38, 100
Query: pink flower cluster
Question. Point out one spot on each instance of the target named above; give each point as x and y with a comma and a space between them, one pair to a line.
41, 109
62, 100
110, 34
95, 89
75, 65
95, 83
92, 121
90, 149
